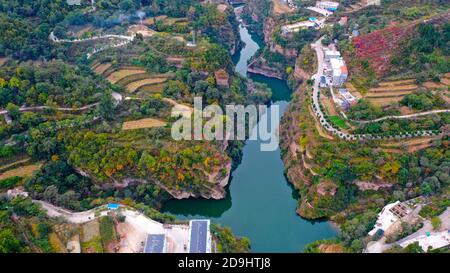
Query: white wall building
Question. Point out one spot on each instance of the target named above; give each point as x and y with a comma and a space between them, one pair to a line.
297, 26
385, 219
340, 72
328, 5
373, 2
329, 54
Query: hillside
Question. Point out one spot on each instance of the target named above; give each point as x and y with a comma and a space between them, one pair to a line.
381, 46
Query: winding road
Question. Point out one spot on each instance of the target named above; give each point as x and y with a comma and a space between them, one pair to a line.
402, 117
317, 46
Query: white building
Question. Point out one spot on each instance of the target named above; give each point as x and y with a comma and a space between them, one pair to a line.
328, 5
340, 72
347, 98
297, 26
329, 54
373, 2
390, 214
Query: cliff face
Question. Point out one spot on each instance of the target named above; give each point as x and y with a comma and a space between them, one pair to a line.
213, 188
255, 14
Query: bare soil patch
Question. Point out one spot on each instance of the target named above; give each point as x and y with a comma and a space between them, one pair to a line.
23, 171
132, 87
120, 74
142, 123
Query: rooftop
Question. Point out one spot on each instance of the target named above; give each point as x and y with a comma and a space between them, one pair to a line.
199, 235
155, 243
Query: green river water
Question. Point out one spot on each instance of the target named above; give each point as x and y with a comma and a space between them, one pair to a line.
260, 203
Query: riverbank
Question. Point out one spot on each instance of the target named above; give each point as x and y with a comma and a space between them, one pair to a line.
260, 203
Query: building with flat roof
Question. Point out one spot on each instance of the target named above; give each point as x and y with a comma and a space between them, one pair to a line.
347, 98
328, 5
390, 214
156, 243
297, 26
329, 54
340, 71
373, 2
199, 236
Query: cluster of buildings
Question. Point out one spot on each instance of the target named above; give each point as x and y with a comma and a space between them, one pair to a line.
199, 239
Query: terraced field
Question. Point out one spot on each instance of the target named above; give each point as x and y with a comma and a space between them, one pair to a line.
134, 86
122, 73
390, 92
101, 68
150, 89
143, 123
23, 171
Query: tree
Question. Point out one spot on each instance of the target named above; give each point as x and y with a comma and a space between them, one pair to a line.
106, 107
436, 222
216, 57
51, 194
8, 242
13, 110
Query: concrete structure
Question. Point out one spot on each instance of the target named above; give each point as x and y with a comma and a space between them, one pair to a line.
347, 98
16, 192
327, 5
390, 214
373, 2
156, 243
329, 54
297, 26
74, 2
433, 240
343, 21
199, 236
339, 71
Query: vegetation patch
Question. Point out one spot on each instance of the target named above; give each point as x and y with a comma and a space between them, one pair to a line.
338, 121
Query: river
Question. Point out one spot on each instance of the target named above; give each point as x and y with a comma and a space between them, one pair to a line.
260, 203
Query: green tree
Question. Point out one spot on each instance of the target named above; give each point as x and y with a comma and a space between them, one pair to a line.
8, 242
13, 110
436, 222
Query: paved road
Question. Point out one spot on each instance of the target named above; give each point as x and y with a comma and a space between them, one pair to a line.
116, 96
427, 227
403, 117
41, 108
381, 245
316, 104
317, 46
73, 217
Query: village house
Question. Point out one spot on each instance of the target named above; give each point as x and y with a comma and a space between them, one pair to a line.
327, 5
390, 214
